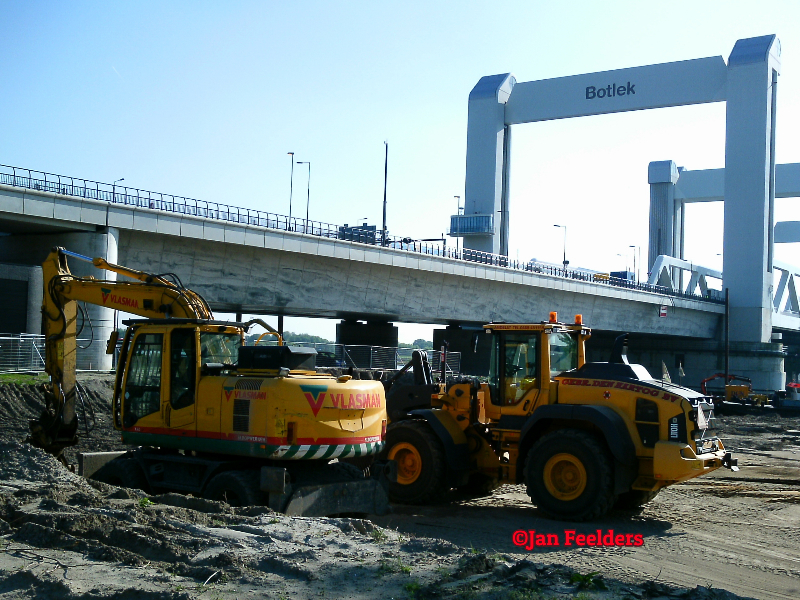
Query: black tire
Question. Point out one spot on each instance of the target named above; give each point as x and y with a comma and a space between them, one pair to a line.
237, 488
634, 499
594, 487
123, 472
426, 467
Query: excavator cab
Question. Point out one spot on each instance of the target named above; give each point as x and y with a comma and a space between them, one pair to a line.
163, 365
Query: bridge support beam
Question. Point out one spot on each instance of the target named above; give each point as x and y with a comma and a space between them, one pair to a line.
33, 249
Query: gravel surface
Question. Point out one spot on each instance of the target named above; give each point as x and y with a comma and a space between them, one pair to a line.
65, 537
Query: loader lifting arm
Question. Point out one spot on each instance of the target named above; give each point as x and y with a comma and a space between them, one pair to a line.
151, 296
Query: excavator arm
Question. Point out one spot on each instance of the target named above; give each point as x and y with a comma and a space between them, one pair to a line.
151, 296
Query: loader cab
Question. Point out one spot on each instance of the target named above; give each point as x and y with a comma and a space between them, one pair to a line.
526, 358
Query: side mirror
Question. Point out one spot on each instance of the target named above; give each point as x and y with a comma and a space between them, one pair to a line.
112, 342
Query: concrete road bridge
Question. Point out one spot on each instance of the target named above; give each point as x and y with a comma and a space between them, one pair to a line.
246, 261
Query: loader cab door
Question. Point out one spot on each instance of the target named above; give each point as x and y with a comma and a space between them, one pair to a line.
514, 378
179, 404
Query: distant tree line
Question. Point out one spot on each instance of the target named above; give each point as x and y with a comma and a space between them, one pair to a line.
291, 338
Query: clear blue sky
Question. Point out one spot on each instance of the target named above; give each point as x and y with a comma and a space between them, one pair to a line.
204, 99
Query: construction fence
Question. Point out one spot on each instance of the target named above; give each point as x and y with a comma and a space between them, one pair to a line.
375, 357
25, 353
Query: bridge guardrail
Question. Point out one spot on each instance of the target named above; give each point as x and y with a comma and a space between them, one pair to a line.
115, 194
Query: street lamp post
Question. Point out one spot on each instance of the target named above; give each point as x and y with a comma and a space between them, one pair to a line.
458, 212
308, 189
635, 249
385, 183
114, 189
566, 262
291, 185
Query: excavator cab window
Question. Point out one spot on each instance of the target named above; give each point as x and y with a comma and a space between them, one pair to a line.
183, 368
143, 386
514, 366
222, 348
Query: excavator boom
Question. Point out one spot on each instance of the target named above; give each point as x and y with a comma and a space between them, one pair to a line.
150, 296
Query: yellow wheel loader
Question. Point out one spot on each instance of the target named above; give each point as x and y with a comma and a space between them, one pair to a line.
583, 437
210, 416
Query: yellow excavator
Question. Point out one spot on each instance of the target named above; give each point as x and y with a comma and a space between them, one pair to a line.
582, 436
209, 415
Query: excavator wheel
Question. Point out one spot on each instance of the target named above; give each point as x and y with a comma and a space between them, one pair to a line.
237, 488
569, 476
123, 472
420, 463
634, 499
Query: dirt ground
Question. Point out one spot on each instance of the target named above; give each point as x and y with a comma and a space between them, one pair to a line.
726, 535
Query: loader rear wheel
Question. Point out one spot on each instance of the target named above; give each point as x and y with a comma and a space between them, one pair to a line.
420, 463
569, 477
123, 472
237, 488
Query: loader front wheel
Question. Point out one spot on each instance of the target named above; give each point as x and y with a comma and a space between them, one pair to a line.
569, 476
420, 463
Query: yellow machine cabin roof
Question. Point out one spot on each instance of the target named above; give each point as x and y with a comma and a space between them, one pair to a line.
552, 324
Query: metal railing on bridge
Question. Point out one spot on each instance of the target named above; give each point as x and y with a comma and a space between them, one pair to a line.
181, 205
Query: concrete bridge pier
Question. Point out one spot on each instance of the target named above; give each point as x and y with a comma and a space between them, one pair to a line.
32, 249
372, 333
471, 341
763, 363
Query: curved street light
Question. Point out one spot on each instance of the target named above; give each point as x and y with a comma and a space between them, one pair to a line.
114, 189
291, 184
566, 262
308, 188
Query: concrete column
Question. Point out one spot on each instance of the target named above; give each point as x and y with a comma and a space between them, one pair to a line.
34, 324
32, 275
487, 145
753, 68
373, 333
473, 344
33, 249
666, 215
